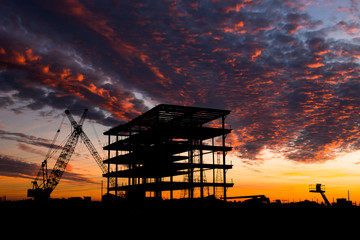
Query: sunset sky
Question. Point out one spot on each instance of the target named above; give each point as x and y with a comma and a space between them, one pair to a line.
287, 69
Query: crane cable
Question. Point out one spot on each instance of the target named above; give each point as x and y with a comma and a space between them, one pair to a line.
98, 140
49, 154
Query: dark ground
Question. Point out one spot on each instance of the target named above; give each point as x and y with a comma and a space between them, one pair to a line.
184, 219
174, 210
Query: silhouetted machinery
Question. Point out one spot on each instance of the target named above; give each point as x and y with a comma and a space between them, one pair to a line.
254, 200
47, 184
318, 188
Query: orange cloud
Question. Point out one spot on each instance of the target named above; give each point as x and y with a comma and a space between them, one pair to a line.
322, 52
239, 25
315, 65
80, 77
255, 55
235, 8
20, 58
2, 51
296, 29
30, 55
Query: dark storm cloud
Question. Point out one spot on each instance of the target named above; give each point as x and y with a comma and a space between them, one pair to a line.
24, 138
291, 86
13, 167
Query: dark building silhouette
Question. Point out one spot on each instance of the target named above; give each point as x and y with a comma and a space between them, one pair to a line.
174, 149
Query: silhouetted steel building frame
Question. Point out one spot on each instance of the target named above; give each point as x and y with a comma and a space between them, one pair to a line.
164, 143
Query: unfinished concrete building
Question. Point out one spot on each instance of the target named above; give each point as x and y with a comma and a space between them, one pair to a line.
169, 152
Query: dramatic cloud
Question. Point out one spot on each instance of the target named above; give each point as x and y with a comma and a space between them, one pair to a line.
289, 79
27, 148
24, 138
13, 167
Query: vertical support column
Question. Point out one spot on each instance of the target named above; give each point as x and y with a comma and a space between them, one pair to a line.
129, 165
138, 181
224, 153
158, 192
201, 171
191, 172
116, 178
191, 160
171, 188
213, 162
108, 178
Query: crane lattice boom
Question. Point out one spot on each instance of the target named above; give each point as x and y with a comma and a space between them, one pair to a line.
50, 182
62, 161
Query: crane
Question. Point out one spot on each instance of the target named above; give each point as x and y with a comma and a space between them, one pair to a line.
49, 182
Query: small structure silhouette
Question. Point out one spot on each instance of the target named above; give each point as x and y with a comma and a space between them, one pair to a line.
169, 148
318, 188
253, 200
